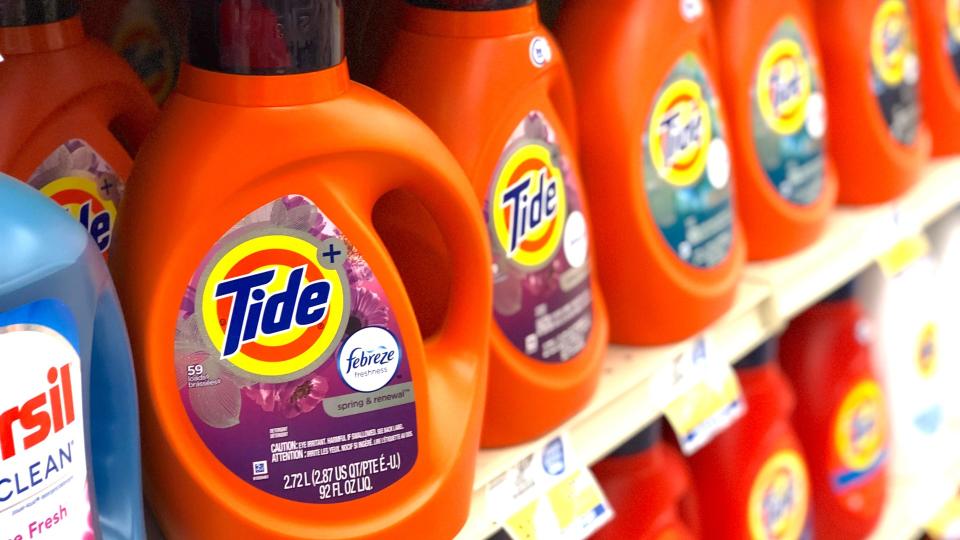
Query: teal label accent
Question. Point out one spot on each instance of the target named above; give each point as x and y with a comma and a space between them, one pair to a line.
895, 69
789, 115
687, 167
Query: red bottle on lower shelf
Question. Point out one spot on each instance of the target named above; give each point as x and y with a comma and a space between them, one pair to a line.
754, 474
649, 486
841, 415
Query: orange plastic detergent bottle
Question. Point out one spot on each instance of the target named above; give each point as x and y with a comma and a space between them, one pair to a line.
841, 415
649, 486
879, 141
752, 480
490, 80
148, 34
287, 389
656, 161
773, 89
73, 113
939, 29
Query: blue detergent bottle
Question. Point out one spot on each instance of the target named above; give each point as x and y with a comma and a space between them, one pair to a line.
69, 433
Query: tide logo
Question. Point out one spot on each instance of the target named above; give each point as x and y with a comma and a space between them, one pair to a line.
860, 428
275, 305
39, 416
780, 498
528, 206
680, 133
953, 19
144, 46
927, 351
784, 86
80, 196
890, 40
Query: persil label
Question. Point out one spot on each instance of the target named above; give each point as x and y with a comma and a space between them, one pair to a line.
43, 454
289, 360
687, 167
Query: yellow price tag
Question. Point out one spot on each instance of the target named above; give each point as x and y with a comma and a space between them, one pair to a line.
559, 497
706, 398
903, 254
946, 524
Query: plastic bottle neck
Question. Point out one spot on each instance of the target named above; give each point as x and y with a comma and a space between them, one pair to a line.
264, 90
266, 37
470, 24
41, 38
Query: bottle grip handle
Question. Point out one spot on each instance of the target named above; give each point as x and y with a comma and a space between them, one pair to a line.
471, 288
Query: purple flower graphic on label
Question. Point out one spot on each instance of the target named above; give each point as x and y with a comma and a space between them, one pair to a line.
289, 399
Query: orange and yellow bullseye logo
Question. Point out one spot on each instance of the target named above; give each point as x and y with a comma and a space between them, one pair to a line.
780, 498
81, 197
890, 41
927, 351
953, 19
860, 429
528, 206
680, 133
271, 308
784, 86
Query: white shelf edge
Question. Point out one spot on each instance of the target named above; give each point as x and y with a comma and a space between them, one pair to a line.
768, 297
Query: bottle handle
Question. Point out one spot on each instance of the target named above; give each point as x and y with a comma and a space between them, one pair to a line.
115, 432
449, 204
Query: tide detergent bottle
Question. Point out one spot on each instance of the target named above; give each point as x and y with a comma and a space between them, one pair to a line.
148, 34
755, 473
657, 163
74, 113
69, 436
649, 486
773, 88
490, 80
841, 414
903, 305
939, 31
288, 391
880, 141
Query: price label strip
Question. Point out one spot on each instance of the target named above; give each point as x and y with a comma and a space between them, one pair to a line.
549, 494
906, 252
946, 524
704, 397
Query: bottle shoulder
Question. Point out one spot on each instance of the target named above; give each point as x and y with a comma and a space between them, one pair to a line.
40, 238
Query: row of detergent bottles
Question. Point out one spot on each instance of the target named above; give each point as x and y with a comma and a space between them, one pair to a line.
334, 298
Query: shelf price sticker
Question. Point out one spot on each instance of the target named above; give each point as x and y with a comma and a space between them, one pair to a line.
946, 524
703, 397
903, 254
549, 494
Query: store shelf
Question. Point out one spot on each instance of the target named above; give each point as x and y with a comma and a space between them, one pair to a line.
630, 394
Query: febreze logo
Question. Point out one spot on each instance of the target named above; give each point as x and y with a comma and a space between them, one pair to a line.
784, 86
271, 307
680, 133
80, 196
860, 431
528, 206
780, 498
39, 416
889, 41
